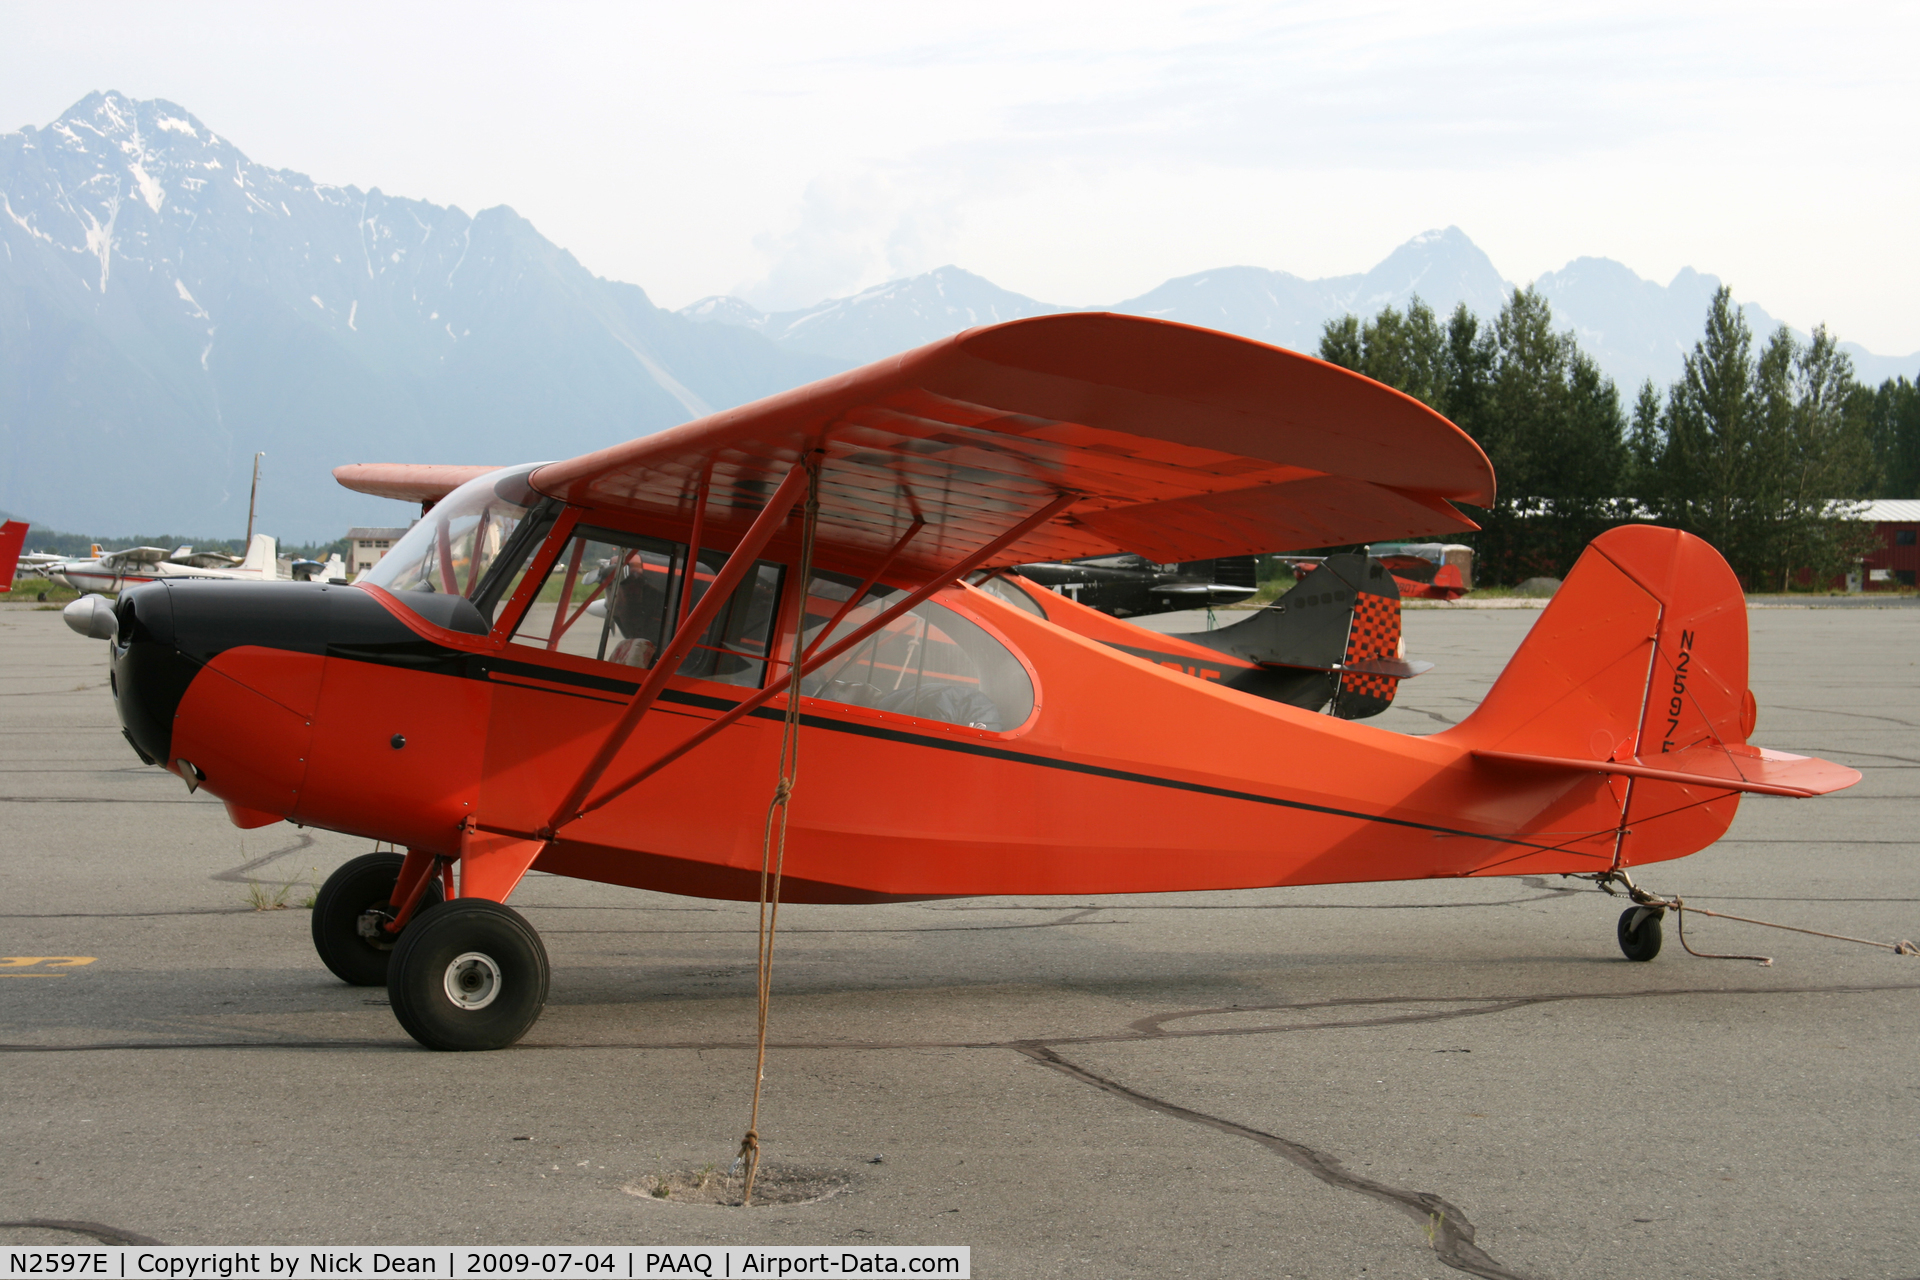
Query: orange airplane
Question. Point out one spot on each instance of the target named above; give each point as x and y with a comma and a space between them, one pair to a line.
585, 667
1421, 580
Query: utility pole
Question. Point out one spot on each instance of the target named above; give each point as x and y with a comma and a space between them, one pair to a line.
252, 497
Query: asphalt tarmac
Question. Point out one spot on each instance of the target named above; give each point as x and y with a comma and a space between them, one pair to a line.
1394, 1080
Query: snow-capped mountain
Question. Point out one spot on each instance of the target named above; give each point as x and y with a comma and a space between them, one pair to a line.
882, 320
1443, 268
168, 307
1634, 328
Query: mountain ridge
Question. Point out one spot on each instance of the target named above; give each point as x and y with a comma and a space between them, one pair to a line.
1634, 328
168, 307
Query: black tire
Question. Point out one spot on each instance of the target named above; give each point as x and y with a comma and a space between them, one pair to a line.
1641, 940
468, 974
357, 887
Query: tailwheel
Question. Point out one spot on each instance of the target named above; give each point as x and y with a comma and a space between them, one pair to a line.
1640, 932
348, 912
468, 974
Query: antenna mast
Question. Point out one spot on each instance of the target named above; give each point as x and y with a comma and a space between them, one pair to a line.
252, 497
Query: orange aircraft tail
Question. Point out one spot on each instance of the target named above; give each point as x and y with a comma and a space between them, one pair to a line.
13, 536
1638, 669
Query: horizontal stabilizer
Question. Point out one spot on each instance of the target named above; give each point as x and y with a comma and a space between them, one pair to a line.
1398, 668
1726, 768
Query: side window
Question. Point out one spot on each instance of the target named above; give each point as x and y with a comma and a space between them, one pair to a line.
998, 587
734, 648
928, 662
606, 597
614, 597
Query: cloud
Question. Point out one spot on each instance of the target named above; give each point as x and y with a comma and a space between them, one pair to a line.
853, 230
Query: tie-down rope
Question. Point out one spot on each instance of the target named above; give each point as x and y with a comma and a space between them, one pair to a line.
1658, 904
773, 840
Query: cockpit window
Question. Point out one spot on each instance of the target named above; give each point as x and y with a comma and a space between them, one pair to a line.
928, 662
467, 545
614, 597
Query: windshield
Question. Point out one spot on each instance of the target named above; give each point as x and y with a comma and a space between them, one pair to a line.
456, 549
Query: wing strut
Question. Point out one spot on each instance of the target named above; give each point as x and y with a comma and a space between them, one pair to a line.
693, 546
574, 809
861, 594
765, 525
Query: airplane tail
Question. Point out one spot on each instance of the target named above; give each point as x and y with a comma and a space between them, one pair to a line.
1637, 669
263, 557
1342, 618
13, 536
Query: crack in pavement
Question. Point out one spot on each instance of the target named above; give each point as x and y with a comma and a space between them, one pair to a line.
104, 1234
238, 875
1448, 1229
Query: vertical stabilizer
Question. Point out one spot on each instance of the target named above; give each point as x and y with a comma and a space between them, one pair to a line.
263, 557
13, 536
1643, 650
1635, 677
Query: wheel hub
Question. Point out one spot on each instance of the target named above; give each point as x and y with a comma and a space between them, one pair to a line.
372, 927
473, 981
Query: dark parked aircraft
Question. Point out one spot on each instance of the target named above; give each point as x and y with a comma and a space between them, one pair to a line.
1126, 586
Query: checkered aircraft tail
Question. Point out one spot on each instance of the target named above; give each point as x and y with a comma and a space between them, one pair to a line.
1341, 620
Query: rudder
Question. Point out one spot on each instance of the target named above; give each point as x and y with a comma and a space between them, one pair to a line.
1643, 650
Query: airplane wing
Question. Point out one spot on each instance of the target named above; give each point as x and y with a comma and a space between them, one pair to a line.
1177, 443
132, 556
409, 482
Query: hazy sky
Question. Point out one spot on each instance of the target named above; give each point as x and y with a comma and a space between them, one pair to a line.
1078, 153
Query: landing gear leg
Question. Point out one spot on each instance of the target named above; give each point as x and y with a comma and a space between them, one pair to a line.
468, 974
348, 912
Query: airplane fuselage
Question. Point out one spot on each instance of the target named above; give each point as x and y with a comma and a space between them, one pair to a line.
341, 708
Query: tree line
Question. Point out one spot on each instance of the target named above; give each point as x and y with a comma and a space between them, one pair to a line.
1749, 449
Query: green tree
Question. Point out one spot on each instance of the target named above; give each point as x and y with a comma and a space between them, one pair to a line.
1407, 351
1549, 421
1646, 437
1893, 416
1716, 458
1341, 343
1827, 459
1754, 452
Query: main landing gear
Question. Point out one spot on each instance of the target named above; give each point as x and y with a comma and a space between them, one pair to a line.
468, 974
463, 974
348, 912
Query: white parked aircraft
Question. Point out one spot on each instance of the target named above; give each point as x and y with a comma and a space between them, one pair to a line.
115, 571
